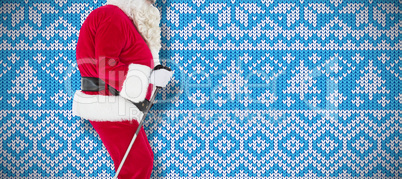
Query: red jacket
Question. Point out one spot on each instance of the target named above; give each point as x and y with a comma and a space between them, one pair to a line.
109, 47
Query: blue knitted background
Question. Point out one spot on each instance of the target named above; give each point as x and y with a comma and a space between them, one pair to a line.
261, 88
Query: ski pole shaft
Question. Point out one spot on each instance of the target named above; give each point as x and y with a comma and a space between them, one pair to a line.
136, 132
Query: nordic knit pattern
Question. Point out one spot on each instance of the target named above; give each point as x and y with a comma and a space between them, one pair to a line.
261, 89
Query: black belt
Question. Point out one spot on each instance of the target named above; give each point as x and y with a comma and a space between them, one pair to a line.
96, 84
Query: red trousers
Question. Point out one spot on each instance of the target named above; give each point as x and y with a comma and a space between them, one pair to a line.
116, 136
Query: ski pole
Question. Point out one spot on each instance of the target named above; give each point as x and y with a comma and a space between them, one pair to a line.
136, 132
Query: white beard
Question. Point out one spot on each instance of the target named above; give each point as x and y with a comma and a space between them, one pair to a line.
146, 18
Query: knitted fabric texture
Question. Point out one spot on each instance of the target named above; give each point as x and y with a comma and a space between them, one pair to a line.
261, 89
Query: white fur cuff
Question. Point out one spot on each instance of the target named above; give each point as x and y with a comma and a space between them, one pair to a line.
135, 86
104, 108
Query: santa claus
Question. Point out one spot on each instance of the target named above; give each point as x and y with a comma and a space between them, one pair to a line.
117, 56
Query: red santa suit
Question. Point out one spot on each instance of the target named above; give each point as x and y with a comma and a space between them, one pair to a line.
110, 48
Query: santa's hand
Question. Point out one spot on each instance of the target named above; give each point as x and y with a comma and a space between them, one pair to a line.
160, 76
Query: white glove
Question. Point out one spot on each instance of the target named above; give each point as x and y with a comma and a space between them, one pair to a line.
160, 76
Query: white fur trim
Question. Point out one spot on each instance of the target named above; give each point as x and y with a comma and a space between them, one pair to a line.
104, 108
135, 86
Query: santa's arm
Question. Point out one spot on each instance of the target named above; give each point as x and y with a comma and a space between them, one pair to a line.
130, 80
136, 83
143, 87
133, 81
